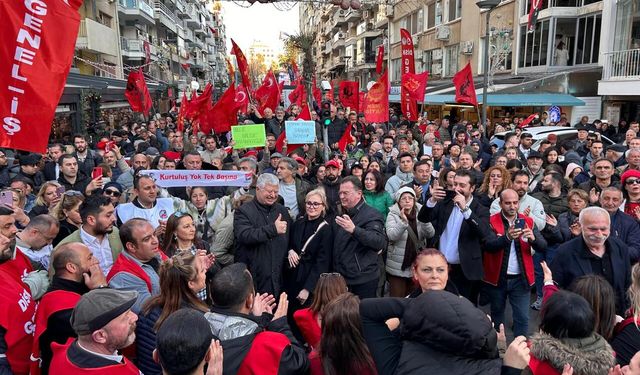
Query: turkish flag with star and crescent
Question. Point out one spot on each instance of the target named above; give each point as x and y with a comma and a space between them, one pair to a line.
243, 65
268, 95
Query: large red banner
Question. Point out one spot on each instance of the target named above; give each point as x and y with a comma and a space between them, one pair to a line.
35, 57
409, 106
376, 108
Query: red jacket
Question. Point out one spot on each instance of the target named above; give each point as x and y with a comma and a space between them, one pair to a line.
307, 322
60, 364
126, 264
50, 304
492, 261
17, 312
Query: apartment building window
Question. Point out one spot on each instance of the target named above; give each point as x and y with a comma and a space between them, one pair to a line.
413, 22
627, 34
588, 39
105, 19
451, 64
534, 46
434, 14
455, 9
395, 70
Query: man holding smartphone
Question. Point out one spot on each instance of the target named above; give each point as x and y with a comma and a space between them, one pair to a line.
508, 262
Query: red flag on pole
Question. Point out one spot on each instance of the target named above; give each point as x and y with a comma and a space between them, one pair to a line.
407, 104
297, 95
361, 96
317, 93
280, 143
243, 65
241, 98
346, 138
200, 105
526, 122
376, 108
379, 59
305, 113
223, 114
465, 89
415, 84
268, 95
349, 94
184, 109
37, 52
536, 5
137, 92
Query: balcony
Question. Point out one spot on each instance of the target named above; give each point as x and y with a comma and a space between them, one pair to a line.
166, 17
200, 30
192, 19
136, 11
337, 62
338, 18
353, 15
327, 48
338, 40
97, 38
188, 35
620, 74
132, 49
181, 9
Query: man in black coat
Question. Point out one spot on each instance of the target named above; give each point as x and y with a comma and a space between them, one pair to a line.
595, 253
358, 237
261, 229
461, 223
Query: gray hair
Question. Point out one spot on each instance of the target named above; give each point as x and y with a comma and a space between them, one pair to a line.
293, 165
267, 179
252, 163
593, 211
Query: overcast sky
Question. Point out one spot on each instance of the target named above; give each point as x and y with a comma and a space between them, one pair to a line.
260, 21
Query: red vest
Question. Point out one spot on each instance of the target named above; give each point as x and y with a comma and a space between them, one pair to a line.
492, 261
126, 264
264, 355
18, 267
50, 304
60, 364
17, 313
307, 322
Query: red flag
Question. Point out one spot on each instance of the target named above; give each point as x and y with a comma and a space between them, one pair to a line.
415, 84
305, 113
268, 95
408, 105
232, 73
243, 66
280, 144
137, 92
361, 96
346, 138
376, 108
379, 59
199, 105
526, 122
536, 5
184, 108
294, 67
465, 90
349, 94
37, 51
296, 96
241, 98
223, 114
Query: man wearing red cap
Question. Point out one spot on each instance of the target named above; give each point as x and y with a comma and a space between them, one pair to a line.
331, 185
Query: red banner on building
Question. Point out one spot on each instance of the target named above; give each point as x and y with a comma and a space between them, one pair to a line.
379, 59
376, 108
408, 105
465, 89
36, 54
349, 94
415, 84
137, 92
243, 65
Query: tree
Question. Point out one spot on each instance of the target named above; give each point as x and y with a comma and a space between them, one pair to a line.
303, 43
257, 68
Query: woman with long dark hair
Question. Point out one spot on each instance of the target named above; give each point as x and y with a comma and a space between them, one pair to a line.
181, 277
374, 193
343, 350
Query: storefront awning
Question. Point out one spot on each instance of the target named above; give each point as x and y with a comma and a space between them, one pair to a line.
506, 100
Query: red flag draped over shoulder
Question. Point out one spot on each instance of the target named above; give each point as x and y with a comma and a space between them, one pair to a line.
37, 50
376, 108
137, 92
349, 94
465, 89
268, 95
409, 106
243, 65
415, 84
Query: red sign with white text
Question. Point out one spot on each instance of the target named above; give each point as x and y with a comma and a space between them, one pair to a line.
408, 106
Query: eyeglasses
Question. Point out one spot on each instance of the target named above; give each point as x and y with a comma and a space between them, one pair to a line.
632, 182
327, 274
314, 204
110, 192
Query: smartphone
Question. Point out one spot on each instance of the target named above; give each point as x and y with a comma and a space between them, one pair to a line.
96, 172
519, 224
450, 194
6, 199
60, 190
109, 146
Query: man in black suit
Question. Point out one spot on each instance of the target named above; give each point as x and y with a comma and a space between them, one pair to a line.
461, 223
595, 253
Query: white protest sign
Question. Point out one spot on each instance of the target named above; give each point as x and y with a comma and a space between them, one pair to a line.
200, 177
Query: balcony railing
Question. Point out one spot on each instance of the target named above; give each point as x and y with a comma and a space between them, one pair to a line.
162, 9
131, 45
137, 4
622, 65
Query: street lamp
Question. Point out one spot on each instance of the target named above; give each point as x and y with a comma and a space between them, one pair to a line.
487, 5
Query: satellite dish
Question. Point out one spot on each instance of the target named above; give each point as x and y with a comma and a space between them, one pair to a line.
195, 85
371, 83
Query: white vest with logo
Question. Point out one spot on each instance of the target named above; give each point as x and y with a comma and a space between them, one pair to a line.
161, 211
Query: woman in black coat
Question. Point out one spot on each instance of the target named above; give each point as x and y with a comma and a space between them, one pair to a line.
310, 244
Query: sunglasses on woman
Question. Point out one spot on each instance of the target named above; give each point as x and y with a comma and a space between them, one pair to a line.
114, 193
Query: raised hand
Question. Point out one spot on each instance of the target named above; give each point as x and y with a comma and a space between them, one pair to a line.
281, 225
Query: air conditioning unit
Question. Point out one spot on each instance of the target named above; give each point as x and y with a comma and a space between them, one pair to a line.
443, 32
366, 14
436, 55
342, 12
436, 69
467, 47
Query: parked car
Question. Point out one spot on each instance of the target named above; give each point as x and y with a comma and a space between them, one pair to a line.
540, 133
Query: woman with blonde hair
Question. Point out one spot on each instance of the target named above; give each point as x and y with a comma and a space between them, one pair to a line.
496, 179
48, 196
67, 212
181, 277
626, 338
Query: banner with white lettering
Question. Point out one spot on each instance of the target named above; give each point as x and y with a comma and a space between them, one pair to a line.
38, 40
174, 178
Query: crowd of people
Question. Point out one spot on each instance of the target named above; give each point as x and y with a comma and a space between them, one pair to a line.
382, 259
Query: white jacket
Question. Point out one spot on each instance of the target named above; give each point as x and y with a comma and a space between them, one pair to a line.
397, 233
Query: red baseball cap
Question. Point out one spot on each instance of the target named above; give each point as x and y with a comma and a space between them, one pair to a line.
332, 163
300, 160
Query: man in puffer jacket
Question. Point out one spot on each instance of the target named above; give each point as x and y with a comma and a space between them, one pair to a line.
404, 174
